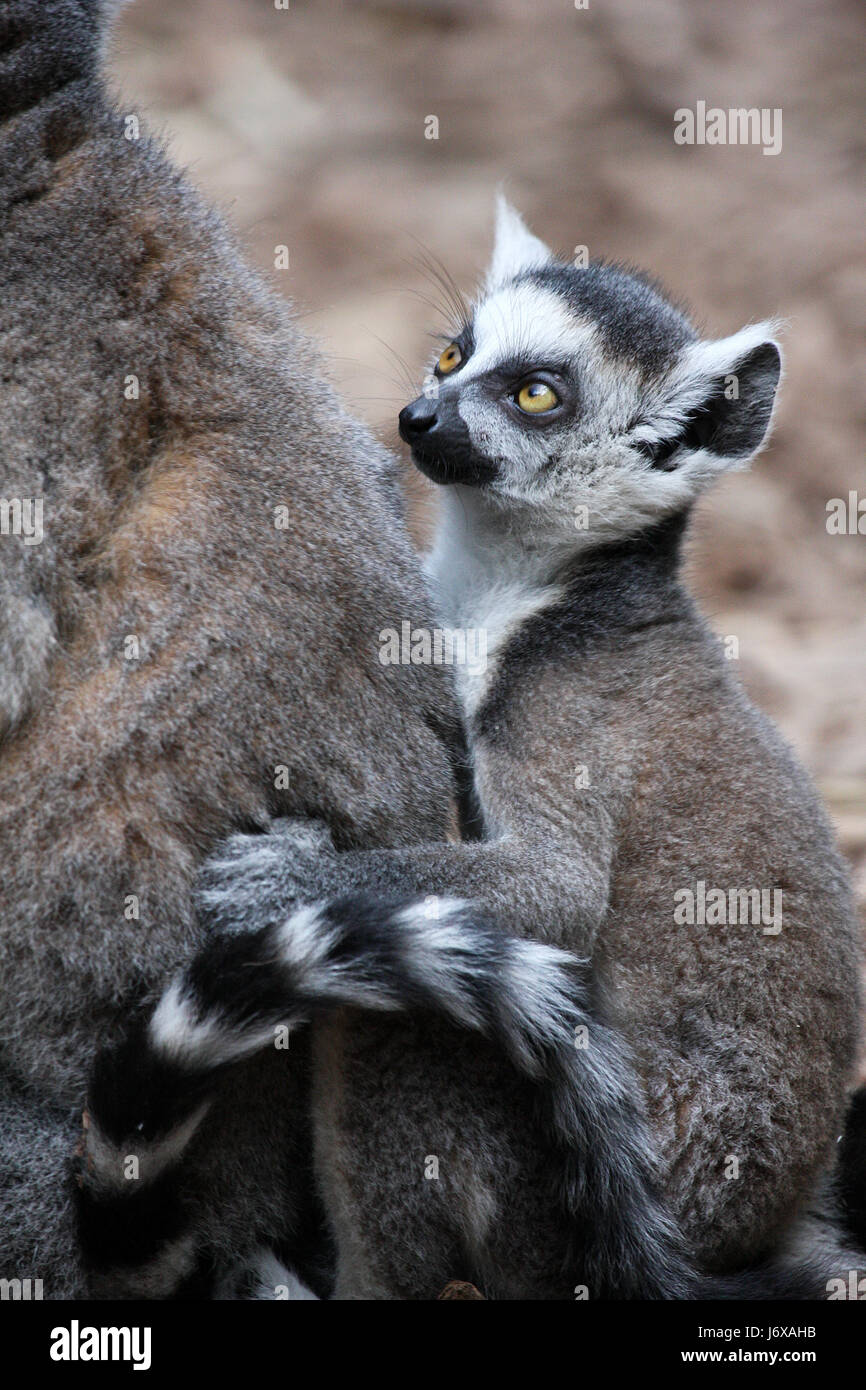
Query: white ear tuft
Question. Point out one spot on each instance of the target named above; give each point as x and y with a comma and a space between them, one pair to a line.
719, 405
515, 249
716, 358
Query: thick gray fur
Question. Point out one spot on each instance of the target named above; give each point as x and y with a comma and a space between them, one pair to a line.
118, 776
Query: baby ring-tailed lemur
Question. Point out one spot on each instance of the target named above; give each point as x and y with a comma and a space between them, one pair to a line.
637, 812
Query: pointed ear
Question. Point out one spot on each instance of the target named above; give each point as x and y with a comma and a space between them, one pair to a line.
720, 402
515, 249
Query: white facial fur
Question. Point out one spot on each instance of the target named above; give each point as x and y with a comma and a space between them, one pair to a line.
524, 321
567, 486
581, 480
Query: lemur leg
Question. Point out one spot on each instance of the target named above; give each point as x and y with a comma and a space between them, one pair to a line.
735, 1167
440, 1178
251, 1176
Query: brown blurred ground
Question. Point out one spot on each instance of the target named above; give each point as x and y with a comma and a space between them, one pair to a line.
307, 126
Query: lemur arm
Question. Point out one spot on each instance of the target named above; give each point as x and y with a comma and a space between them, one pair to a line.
539, 888
543, 872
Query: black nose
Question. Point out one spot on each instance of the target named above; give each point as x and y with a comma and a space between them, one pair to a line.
417, 418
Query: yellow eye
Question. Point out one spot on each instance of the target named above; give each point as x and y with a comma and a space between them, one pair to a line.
536, 397
450, 359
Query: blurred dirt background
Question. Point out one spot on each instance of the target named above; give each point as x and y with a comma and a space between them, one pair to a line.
307, 126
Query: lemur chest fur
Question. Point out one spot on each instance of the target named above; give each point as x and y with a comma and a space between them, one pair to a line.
489, 581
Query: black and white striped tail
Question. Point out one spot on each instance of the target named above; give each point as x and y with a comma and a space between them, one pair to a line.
148, 1096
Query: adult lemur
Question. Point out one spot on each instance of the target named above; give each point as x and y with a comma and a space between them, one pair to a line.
637, 810
191, 649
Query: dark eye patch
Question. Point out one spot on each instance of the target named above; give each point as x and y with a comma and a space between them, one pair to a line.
504, 382
511, 374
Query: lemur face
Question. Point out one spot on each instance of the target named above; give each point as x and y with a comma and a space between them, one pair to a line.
585, 388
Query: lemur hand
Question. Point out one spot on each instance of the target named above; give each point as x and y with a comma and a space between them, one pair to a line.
252, 880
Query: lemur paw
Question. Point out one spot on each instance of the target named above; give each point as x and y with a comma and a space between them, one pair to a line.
252, 879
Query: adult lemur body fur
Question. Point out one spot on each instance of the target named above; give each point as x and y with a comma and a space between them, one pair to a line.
163, 403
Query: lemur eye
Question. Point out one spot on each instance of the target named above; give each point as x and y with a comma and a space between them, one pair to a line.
536, 397
450, 359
